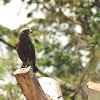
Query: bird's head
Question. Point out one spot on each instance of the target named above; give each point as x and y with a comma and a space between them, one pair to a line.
24, 32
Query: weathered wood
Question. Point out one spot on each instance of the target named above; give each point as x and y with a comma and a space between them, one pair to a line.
44, 88
51, 88
93, 91
29, 84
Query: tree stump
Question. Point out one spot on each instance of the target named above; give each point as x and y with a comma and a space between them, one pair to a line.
29, 84
93, 91
37, 89
51, 88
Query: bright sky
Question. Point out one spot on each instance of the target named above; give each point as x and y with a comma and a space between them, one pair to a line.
10, 15
13, 14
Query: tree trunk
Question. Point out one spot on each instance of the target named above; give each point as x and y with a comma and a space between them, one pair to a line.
37, 89
51, 88
29, 84
93, 91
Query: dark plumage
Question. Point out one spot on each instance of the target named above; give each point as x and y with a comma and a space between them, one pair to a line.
25, 49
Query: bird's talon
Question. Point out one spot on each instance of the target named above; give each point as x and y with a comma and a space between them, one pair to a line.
26, 66
23, 67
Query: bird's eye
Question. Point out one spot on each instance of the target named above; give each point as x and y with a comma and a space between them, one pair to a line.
26, 30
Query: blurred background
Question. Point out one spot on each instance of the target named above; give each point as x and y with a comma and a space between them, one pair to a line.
66, 38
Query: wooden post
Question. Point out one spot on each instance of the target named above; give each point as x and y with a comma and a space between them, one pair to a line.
93, 91
37, 89
51, 88
29, 84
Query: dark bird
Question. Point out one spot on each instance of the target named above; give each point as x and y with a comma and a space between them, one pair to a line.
25, 49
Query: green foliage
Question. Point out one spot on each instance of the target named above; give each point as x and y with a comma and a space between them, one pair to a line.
11, 90
2, 68
6, 1
61, 19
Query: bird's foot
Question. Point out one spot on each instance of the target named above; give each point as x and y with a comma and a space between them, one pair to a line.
23, 67
26, 66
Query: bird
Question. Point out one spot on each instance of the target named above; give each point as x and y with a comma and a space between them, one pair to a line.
25, 49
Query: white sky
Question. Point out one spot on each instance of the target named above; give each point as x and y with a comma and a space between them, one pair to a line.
10, 15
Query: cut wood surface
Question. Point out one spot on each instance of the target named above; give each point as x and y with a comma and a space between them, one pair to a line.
44, 88
29, 84
51, 88
93, 91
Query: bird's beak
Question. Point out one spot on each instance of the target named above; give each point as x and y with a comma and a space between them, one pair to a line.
30, 31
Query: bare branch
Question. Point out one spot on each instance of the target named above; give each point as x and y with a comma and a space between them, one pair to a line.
8, 44
62, 83
66, 85
79, 87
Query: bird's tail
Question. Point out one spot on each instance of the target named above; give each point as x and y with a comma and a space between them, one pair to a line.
35, 69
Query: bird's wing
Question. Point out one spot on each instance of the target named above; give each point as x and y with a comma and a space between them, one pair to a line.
32, 50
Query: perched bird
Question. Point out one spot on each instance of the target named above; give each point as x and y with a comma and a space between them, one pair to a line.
25, 49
